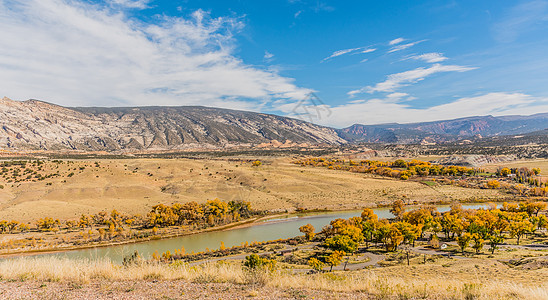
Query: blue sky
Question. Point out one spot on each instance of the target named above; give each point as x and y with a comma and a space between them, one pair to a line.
365, 62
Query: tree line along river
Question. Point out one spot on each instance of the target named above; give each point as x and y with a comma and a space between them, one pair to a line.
272, 229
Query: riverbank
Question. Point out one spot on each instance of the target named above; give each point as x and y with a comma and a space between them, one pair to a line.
239, 230
235, 225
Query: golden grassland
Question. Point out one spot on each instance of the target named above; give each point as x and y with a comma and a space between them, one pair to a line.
132, 186
428, 281
532, 163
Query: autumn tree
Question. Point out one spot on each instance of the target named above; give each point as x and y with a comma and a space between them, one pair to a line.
368, 214
478, 242
341, 243
316, 264
519, 228
505, 172
308, 231
463, 241
495, 240
255, 262
334, 259
398, 209
493, 184
409, 232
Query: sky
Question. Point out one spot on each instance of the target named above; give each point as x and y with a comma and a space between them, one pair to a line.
334, 63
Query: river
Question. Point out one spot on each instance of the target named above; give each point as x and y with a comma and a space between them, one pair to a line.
273, 229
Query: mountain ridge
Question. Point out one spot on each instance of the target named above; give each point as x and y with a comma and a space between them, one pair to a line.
35, 124
445, 130
39, 125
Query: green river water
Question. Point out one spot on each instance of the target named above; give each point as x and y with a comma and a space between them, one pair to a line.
272, 229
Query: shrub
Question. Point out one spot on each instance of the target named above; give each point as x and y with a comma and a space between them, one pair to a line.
434, 241
493, 184
315, 264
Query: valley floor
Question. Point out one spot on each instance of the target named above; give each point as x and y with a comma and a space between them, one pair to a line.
133, 186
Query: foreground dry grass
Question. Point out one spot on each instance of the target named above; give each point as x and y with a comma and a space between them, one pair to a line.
133, 186
42, 277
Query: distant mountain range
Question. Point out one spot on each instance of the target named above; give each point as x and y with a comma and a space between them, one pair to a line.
447, 130
38, 125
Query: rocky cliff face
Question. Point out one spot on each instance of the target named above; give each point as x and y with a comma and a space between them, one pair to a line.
34, 124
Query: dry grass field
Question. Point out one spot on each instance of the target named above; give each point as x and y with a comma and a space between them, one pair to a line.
536, 163
53, 278
132, 186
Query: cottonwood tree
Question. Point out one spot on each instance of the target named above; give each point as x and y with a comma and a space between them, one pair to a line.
334, 259
316, 264
398, 209
308, 231
463, 241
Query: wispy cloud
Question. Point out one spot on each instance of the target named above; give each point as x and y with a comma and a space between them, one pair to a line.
384, 110
339, 53
98, 55
398, 80
139, 4
369, 50
297, 14
430, 57
268, 57
524, 17
396, 41
359, 50
396, 96
322, 6
404, 46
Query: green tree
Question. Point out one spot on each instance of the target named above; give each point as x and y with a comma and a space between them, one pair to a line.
254, 262
463, 241
495, 240
341, 243
410, 232
478, 242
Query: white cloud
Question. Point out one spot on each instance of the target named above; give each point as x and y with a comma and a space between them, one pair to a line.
396, 41
268, 57
297, 14
368, 50
74, 53
430, 57
404, 46
322, 6
359, 50
398, 80
139, 4
340, 52
396, 96
376, 111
